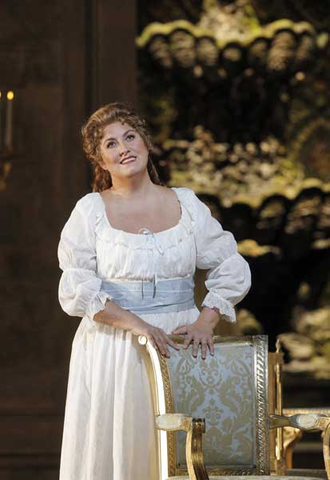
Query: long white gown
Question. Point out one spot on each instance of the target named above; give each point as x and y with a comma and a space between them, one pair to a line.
109, 431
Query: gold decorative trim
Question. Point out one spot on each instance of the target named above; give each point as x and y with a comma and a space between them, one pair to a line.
261, 386
276, 436
308, 422
267, 31
161, 370
297, 411
290, 437
169, 405
326, 440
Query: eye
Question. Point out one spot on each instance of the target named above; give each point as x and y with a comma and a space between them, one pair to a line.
111, 144
130, 136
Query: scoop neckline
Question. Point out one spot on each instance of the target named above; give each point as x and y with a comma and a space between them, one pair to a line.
142, 234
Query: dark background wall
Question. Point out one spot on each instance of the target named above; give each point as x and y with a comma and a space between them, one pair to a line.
62, 60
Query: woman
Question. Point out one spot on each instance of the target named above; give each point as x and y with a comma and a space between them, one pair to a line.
128, 254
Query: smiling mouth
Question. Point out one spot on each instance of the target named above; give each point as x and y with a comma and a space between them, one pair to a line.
128, 160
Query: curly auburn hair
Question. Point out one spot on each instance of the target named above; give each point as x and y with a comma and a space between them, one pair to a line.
93, 131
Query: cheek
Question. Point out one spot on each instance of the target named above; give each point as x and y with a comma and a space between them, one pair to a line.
109, 157
140, 146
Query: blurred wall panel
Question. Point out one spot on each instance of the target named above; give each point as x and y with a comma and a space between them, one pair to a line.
62, 60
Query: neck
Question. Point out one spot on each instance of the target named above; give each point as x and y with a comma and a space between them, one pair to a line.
132, 187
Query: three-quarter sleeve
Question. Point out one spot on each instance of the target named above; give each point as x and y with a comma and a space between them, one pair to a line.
79, 290
228, 279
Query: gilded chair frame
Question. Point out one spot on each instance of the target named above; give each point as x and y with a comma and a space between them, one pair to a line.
283, 440
164, 402
276, 436
293, 435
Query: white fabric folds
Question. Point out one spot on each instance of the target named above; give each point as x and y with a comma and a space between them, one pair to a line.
109, 431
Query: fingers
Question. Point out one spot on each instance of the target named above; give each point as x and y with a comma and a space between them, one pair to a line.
204, 349
180, 330
173, 344
195, 347
162, 344
160, 341
188, 340
205, 342
210, 344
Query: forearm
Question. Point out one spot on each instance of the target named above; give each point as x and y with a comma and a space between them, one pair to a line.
208, 317
117, 317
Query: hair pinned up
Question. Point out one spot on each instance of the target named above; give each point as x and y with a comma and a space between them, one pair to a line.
93, 131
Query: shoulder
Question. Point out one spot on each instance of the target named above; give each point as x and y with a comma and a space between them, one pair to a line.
183, 190
189, 199
81, 224
88, 201
185, 194
89, 204
197, 211
86, 212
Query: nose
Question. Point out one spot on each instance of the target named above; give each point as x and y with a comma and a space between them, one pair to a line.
123, 149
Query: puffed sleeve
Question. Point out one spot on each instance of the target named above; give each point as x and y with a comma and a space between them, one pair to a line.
79, 290
228, 279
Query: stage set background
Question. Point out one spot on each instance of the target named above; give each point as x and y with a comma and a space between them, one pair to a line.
237, 95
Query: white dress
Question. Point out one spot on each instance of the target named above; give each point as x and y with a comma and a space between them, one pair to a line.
109, 431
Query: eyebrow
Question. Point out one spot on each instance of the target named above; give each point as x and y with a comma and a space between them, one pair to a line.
112, 138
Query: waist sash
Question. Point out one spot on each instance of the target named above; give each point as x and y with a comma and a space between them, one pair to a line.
146, 297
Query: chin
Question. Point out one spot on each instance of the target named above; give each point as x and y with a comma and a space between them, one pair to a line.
136, 169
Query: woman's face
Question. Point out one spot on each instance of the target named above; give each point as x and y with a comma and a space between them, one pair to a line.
123, 151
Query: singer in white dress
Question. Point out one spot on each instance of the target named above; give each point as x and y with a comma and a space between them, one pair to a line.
109, 430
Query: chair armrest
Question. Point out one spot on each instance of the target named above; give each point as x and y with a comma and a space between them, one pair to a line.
171, 422
195, 427
308, 422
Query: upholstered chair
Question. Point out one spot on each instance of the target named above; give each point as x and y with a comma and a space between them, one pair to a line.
213, 415
283, 440
291, 436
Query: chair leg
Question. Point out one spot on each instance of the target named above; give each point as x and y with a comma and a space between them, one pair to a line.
194, 452
290, 437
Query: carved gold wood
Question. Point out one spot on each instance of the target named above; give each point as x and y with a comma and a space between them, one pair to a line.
194, 428
308, 422
283, 440
165, 404
315, 419
291, 438
276, 440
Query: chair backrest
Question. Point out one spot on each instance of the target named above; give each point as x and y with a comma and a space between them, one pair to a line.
229, 390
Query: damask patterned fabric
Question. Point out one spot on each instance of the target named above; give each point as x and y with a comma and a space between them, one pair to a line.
220, 389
